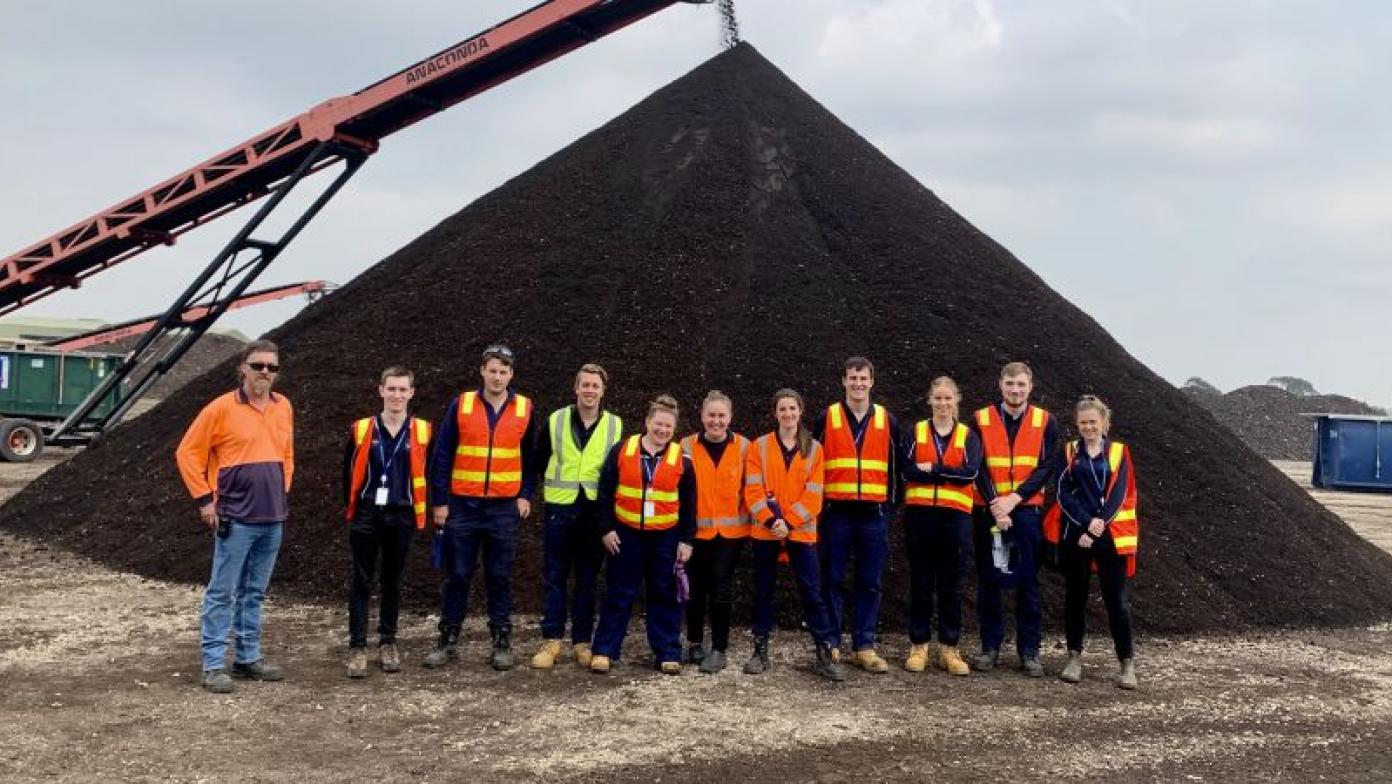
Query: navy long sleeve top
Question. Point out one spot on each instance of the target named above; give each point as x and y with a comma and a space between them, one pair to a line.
1082, 487
1048, 464
940, 473
447, 442
609, 484
897, 448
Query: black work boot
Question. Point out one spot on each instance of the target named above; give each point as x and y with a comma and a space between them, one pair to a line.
501, 658
827, 666
758, 661
446, 648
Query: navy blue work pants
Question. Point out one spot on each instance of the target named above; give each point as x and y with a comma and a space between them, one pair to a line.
571, 546
645, 557
1027, 533
844, 531
475, 528
802, 557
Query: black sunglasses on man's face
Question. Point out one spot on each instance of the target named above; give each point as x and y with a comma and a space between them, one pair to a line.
261, 367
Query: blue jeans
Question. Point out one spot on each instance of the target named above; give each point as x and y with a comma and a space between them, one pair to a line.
803, 559
858, 529
1027, 532
571, 544
242, 564
477, 526
646, 557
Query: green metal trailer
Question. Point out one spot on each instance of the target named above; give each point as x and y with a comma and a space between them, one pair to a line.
39, 387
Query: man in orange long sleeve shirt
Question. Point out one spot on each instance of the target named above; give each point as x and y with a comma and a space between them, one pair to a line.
237, 459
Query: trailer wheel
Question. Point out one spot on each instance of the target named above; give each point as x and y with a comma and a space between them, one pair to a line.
20, 440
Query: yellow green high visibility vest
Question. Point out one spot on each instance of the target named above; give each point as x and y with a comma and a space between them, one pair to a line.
571, 469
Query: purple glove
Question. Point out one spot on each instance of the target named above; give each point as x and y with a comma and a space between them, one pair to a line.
775, 509
683, 583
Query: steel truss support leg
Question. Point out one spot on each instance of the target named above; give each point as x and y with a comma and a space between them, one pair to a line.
225, 279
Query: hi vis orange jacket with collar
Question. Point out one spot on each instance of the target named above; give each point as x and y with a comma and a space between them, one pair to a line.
952, 493
1009, 464
418, 440
796, 485
857, 472
241, 457
720, 507
488, 461
1123, 526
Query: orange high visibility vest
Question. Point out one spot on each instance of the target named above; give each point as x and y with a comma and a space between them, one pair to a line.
1125, 527
797, 487
857, 474
652, 506
418, 437
488, 461
720, 508
1009, 465
953, 495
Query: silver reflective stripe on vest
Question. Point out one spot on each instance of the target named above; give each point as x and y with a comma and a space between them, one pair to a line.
560, 435
554, 480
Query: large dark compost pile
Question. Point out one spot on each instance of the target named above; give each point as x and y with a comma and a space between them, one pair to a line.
727, 232
1269, 419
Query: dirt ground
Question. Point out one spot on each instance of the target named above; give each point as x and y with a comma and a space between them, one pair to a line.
99, 681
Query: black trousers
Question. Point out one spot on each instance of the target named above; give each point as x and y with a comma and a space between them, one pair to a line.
384, 531
711, 571
1116, 589
939, 545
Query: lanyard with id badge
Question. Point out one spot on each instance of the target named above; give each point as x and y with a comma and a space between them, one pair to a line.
649, 468
383, 492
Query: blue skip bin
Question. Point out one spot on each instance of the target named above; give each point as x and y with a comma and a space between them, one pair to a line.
1353, 452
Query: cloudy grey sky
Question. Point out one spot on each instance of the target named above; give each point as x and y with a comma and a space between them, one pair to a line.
1212, 181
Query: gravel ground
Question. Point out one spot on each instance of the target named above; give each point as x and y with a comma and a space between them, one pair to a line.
100, 682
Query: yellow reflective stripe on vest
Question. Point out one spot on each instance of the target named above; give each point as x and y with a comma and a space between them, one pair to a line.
417, 481
491, 476
484, 451
624, 491
1124, 515
959, 440
852, 487
637, 519
851, 462
360, 429
834, 414
880, 417
1124, 542
1037, 417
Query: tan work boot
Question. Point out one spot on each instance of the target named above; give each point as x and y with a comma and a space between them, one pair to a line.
389, 657
670, 668
581, 652
599, 663
917, 659
357, 663
950, 660
547, 655
868, 660
1127, 678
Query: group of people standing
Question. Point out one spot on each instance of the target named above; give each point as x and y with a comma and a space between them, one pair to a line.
672, 517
